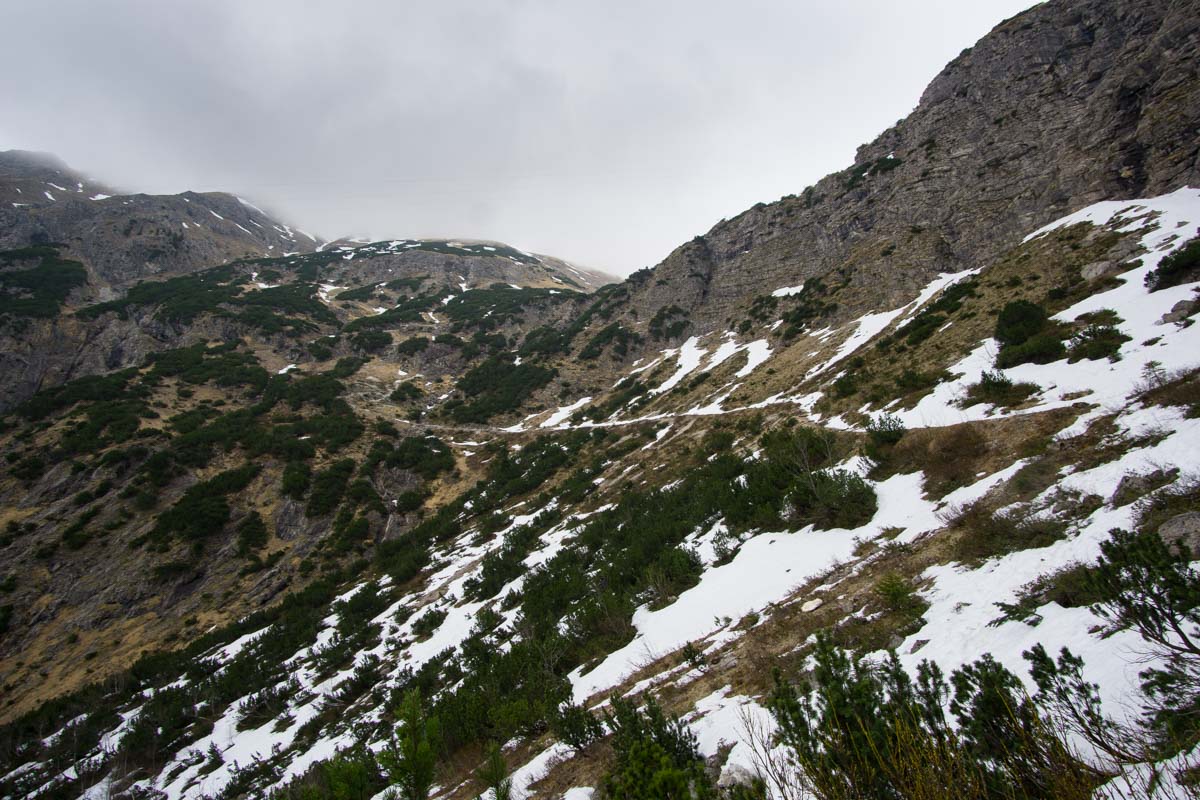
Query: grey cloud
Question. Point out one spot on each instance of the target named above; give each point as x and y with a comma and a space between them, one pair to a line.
606, 133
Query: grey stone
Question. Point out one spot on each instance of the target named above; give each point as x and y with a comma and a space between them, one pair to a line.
1131, 487
1179, 312
1097, 269
735, 775
1182, 529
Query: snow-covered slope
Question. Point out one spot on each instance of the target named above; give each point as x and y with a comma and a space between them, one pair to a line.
754, 585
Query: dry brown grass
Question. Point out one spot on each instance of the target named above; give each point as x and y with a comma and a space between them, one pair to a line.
955, 456
1179, 389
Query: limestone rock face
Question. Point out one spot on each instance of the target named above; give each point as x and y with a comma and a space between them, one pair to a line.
1060, 106
45, 353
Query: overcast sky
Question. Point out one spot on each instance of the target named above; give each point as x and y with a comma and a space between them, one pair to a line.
606, 132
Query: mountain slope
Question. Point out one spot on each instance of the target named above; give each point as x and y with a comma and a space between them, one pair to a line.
338, 494
1058, 107
709, 564
125, 238
121, 249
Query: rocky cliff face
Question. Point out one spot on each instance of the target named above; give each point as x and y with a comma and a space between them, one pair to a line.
1057, 107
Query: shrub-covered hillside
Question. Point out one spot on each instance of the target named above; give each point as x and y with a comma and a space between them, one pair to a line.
666, 588
886, 489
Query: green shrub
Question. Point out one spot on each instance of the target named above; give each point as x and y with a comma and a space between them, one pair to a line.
345, 367
615, 334
91, 388
42, 290
494, 774
657, 756
405, 311
1020, 320
29, 468
1179, 267
885, 430
1151, 587
412, 500
412, 346
543, 340
1096, 341
987, 534
76, 534
424, 625
328, 485
320, 351
223, 365
807, 306
846, 385
1042, 348
920, 328
360, 294
911, 380
1073, 586
898, 595
203, 510
411, 757
428, 456
296, 477
932, 317
833, 498
251, 534
488, 309
865, 729
405, 392
219, 292
497, 386
883, 434
1026, 335
574, 725
663, 324
998, 389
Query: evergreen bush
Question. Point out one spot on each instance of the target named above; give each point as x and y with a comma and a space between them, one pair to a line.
1176, 268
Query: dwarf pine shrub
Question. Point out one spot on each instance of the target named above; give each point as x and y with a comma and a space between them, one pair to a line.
1176, 268
998, 389
1026, 335
860, 728
1096, 341
657, 756
834, 498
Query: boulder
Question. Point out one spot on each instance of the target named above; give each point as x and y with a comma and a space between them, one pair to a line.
1131, 486
1097, 269
1179, 312
735, 775
1182, 528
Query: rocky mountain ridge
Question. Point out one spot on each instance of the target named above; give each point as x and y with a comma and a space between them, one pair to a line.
334, 495
124, 238
124, 244
1058, 107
